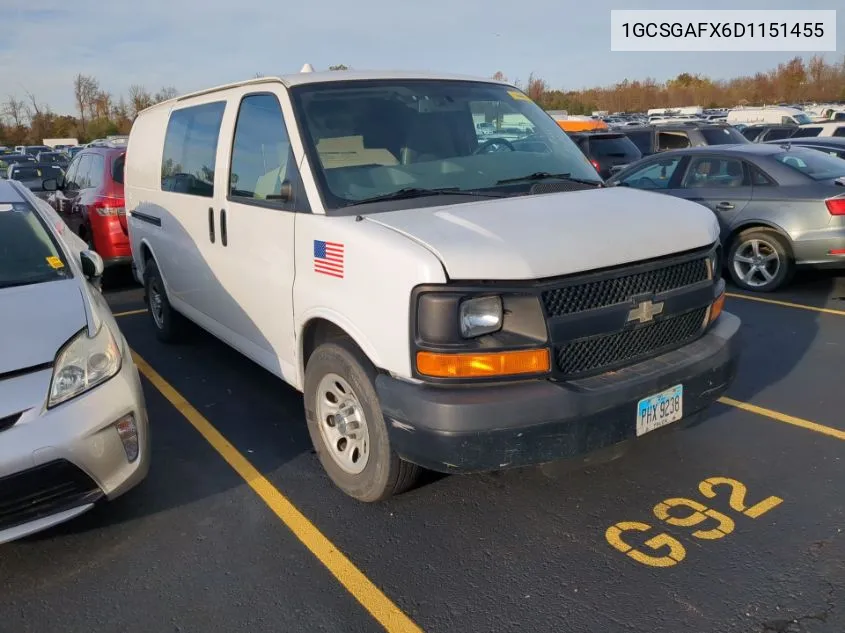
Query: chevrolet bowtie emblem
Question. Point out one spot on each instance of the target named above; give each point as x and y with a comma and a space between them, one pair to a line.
645, 312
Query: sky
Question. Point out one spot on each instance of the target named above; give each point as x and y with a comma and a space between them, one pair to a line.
192, 45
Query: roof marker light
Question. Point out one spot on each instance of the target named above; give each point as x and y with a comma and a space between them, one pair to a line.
308, 68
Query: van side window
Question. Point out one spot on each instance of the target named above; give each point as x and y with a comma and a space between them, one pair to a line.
190, 149
840, 131
262, 157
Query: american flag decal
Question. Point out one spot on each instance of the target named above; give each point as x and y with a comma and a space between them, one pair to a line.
328, 258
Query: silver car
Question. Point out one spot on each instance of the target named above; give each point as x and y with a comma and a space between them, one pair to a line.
73, 422
779, 206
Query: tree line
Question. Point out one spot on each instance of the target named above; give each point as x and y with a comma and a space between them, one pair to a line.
100, 113
795, 81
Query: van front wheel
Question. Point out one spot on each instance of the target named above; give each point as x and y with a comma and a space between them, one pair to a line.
347, 427
168, 323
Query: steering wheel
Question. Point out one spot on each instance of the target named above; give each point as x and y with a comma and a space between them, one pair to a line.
482, 149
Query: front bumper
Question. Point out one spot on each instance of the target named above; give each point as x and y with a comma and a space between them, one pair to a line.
64, 459
476, 429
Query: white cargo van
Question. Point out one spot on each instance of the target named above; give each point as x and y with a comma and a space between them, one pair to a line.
445, 298
775, 115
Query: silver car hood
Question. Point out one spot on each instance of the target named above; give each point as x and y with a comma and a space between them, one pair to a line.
36, 320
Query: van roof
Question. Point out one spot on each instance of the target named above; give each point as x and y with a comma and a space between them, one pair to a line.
301, 78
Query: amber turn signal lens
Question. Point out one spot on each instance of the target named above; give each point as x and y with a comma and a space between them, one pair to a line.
527, 361
716, 308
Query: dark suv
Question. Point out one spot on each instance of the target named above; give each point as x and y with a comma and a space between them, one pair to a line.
651, 139
90, 199
608, 151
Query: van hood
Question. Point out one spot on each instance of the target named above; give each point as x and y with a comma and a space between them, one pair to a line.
36, 320
538, 236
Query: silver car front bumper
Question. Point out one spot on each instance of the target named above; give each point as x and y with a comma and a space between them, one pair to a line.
56, 463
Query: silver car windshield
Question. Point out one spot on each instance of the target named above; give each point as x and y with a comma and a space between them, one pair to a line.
29, 253
369, 139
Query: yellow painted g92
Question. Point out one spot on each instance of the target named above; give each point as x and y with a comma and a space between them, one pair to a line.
663, 550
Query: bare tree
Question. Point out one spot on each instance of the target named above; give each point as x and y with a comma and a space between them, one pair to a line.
139, 99
168, 92
339, 67
15, 111
85, 90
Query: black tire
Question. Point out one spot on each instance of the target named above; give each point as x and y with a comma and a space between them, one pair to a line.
169, 324
385, 473
769, 242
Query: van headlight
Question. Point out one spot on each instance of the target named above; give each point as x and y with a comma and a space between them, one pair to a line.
480, 315
716, 262
83, 363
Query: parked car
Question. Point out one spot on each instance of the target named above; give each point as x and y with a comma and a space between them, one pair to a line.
484, 252
609, 152
828, 144
779, 205
652, 139
32, 176
32, 150
828, 129
73, 422
10, 159
90, 198
54, 158
73, 151
762, 133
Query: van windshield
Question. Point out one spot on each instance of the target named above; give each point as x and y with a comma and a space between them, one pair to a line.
370, 139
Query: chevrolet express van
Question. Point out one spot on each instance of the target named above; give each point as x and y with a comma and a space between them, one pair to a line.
444, 297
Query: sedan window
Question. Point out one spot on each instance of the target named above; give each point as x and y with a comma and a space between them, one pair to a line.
813, 164
656, 175
708, 171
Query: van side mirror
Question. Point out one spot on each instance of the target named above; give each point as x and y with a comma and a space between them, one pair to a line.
92, 264
50, 184
285, 193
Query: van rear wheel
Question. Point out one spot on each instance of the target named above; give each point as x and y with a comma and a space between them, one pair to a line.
169, 324
347, 427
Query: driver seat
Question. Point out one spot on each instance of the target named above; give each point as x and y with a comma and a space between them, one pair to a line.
437, 135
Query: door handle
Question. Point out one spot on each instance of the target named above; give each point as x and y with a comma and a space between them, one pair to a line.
223, 236
724, 206
211, 224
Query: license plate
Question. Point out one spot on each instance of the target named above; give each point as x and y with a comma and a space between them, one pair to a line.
660, 409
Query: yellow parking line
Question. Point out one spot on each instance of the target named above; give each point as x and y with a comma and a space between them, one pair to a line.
117, 315
783, 417
787, 304
365, 592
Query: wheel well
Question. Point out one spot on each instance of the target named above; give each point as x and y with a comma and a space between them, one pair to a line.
758, 227
319, 331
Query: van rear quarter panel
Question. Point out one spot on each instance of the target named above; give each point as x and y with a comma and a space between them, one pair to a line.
142, 172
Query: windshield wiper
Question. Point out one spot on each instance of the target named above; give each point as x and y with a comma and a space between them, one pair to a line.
418, 192
544, 175
15, 284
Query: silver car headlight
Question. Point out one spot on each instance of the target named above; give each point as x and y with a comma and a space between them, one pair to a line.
83, 363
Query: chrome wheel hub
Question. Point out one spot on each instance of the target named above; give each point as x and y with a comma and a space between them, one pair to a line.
342, 424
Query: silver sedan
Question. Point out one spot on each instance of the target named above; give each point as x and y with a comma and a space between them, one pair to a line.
779, 206
73, 422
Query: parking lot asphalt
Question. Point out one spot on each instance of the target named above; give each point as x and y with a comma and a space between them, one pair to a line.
732, 525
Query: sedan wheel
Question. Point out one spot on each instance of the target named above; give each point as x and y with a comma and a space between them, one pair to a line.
760, 261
